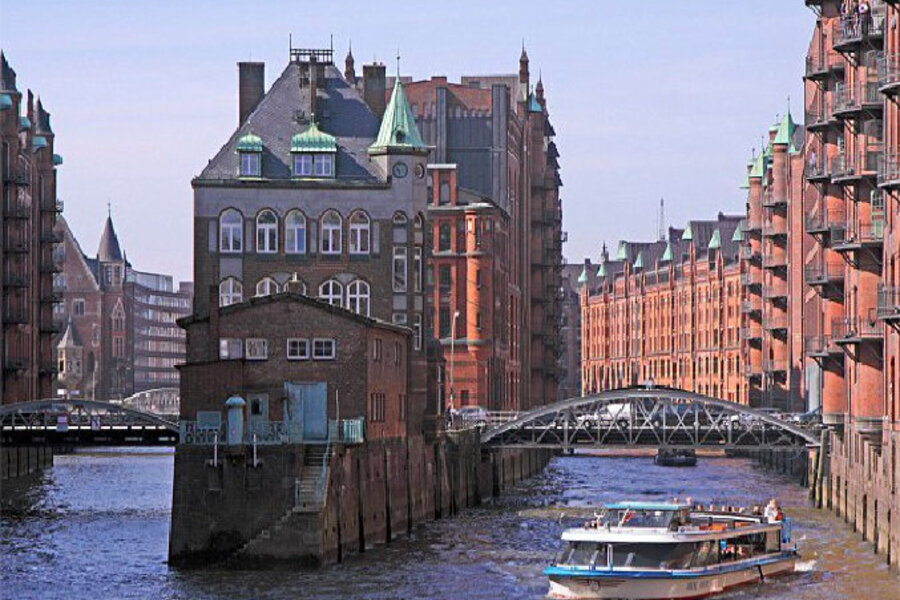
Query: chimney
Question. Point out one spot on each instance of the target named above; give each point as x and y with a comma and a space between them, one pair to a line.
251, 87
374, 88
313, 86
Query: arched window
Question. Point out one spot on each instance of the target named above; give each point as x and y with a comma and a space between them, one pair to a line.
358, 297
419, 221
332, 292
359, 233
266, 286
444, 193
231, 231
400, 218
295, 233
267, 232
231, 291
118, 318
331, 233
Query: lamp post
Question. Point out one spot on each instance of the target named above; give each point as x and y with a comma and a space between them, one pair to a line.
452, 353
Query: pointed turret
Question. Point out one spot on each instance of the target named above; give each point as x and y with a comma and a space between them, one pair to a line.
523, 75
42, 120
69, 338
398, 126
7, 76
785, 133
349, 70
109, 249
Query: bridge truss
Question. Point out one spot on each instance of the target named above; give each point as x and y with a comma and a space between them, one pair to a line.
648, 417
83, 423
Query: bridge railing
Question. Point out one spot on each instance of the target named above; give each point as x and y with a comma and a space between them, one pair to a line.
272, 433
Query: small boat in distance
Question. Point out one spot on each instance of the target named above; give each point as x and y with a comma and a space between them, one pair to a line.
679, 457
656, 551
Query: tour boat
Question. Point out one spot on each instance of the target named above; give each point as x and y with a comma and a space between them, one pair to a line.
676, 458
655, 551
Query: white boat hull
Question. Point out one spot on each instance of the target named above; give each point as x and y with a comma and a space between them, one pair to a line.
662, 588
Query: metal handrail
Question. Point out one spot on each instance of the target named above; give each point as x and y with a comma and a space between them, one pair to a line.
846, 328
888, 70
827, 272
779, 322
852, 28
824, 219
888, 301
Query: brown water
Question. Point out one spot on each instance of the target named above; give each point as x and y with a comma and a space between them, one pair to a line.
96, 526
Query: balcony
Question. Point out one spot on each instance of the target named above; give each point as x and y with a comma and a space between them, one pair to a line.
54, 207
775, 228
52, 237
847, 168
14, 246
770, 200
751, 334
749, 225
751, 278
774, 261
855, 330
847, 101
888, 308
752, 371
889, 74
817, 171
818, 119
775, 366
852, 33
748, 253
776, 323
17, 210
866, 235
823, 220
751, 306
776, 291
889, 169
822, 346
821, 275
820, 65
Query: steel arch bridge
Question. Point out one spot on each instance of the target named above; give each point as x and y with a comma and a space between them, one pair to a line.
648, 417
83, 423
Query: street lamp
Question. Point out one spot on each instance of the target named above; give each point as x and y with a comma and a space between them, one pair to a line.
452, 352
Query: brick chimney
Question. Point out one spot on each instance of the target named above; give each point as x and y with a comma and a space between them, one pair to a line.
375, 88
251, 87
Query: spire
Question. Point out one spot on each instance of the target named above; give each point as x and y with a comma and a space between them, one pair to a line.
785, 133
7, 75
523, 74
349, 70
398, 126
109, 249
42, 118
69, 338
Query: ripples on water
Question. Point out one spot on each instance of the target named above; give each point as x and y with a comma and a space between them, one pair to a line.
96, 526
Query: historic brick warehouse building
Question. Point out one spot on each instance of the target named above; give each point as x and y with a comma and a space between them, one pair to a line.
495, 215
27, 217
667, 311
570, 330
118, 323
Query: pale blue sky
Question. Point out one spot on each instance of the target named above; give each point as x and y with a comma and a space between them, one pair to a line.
649, 99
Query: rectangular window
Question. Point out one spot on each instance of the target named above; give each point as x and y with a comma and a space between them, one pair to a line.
324, 165
399, 318
230, 348
376, 350
402, 406
118, 347
417, 331
478, 278
445, 279
444, 322
249, 164
399, 268
417, 269
303, 165
398, 354
78, 307
477, 235
297, 349
323, 349
256, 349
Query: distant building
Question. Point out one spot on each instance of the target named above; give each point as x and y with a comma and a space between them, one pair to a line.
118, 323
27, 218
570, 328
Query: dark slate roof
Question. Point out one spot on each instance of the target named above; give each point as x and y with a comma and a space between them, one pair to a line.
109, 249
7, 75
341, 112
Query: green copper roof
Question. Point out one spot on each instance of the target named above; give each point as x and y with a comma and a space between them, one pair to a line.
622, 253
38, 142
738, 233
745, 184
601, 272
398, 126
249, 143
533, 104
768, 153
785, 131
667, 255
639, 261
57, 159
688, 234
5, 101
758, 167
24, 123
716, 241
583, 277
313, 140
793, 149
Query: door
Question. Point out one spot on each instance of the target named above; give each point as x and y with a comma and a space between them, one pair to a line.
307, 408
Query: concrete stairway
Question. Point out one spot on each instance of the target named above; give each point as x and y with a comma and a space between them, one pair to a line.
306, 494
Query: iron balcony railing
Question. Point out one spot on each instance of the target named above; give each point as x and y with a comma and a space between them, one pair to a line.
748, 253
821, 346
776, 322
774, 261
752, 371
752, 277
846, 330
775, 228
773, 200
751, 333
823, 274
751, 224
775, 366
823, 220
751, 306
857, 28
846, 99
856, 235
888, 308
16, 210
775, 291
889, 73
889, 169
846, 166
820, 64
817, 170
818, 118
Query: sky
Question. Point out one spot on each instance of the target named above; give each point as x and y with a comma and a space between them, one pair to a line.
651, 99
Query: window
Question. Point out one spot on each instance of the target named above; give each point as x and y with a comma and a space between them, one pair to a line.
257, 349
417, 331
303, 165
444, 322
376, 350
358, 297
266, 287
297, 349
444, 195
399, 318
398, 354
444, 235
250, 164
118, 347
444, 279
418, 222
399, 268
323, 349
478, 278
401, 400
324, 165
231, 291
267, 232
477, 233
118, 318
376, 407
78, 307
417, 269
400, 218
231, 231
331, 233
230, 348
359, 233
332, 292
295, 233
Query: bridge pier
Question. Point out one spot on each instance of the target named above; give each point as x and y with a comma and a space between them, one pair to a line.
19, 461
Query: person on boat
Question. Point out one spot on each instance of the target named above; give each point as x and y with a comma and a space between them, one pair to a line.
771, 512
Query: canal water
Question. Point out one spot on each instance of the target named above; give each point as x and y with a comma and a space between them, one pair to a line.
95, 526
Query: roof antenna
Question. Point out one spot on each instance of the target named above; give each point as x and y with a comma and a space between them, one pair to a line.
331, 43
109, 209
398, 64
662, 220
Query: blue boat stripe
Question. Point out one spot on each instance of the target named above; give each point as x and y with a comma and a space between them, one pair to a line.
664, 574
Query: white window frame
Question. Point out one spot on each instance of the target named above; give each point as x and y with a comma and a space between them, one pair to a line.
266, 287
231, 291
301, 351
303, 165
328, 294
360, 233
231, 233
323, 164
295, 232
256, 349
417, 269
359, 297
400, 269
417, 331
400, 219
331, 233
267, 232
324, 344
250, 164
231, 348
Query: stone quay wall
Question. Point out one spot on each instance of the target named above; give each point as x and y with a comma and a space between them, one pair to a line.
18, 461
247, 516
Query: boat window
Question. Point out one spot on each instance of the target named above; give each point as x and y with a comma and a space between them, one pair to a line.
707, 553
742, 547
653, 556
773, 541
630, 517
582, 554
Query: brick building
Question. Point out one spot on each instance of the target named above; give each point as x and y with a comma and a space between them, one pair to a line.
570, 327
118, 323
667, 311
27, 218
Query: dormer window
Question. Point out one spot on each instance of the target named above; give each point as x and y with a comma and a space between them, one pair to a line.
249, 150
313, 153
